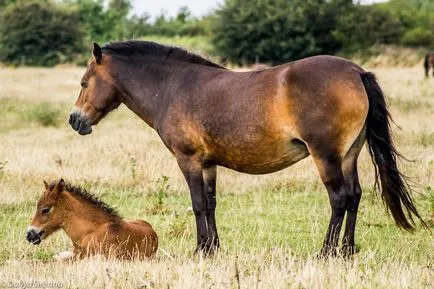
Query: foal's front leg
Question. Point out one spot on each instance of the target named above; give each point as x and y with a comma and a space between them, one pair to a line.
66, 256
192, 169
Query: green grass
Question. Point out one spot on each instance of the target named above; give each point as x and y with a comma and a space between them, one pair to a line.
250, 222
271, 227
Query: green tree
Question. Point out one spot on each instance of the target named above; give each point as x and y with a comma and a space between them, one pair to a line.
275, 31
417, 19
5, 2
106, 24
365, 25
180, 25
39, 33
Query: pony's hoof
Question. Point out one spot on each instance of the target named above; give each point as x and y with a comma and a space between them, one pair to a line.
207, 250
64, 256
326, 253
348, 251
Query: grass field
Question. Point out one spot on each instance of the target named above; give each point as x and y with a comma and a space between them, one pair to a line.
271, 226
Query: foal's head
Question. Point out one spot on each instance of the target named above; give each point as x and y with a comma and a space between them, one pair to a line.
48, 217
98, 95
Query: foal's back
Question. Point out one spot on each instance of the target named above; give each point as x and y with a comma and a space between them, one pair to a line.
127, 239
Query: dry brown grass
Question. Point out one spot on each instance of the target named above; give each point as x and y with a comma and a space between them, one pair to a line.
271, 226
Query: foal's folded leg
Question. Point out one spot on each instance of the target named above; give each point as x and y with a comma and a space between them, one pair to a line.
64, 256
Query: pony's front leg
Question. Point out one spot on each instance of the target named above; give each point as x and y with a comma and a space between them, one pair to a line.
210, 178
192, 168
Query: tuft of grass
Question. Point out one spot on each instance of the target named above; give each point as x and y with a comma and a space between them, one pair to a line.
161, 192
426, 139
43, 254
409, 105
431, 199
179, 227
45, 114
3, 168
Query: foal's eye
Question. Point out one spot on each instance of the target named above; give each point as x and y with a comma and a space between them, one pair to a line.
84, 84
45, 211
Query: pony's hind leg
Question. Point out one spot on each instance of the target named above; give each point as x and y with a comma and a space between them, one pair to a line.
330, 170
355, 193
348, 241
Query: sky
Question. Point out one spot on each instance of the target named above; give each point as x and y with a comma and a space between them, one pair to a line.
171, 7
197, 7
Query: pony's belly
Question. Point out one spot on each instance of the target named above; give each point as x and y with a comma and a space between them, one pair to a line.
266, 159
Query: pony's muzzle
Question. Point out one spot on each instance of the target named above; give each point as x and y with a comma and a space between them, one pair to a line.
34, 236
79, 122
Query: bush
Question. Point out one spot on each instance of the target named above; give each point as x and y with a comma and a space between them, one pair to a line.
197, 44
418, 37
183, 24
45, 114
106, 24
276, 31
364, 26
39, 33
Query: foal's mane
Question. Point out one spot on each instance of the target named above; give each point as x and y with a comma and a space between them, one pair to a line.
93, 200
133, 48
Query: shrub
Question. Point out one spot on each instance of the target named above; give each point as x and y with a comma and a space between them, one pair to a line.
39, 33
273, 31
364, 26
418, 37
45, 114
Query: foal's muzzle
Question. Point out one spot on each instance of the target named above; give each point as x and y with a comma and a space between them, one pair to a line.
34, 236
79, 122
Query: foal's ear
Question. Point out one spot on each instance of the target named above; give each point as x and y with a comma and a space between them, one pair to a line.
97, 52
59, 187
47, 186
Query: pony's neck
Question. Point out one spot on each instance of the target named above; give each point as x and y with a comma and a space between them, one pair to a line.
146, 84
81, 219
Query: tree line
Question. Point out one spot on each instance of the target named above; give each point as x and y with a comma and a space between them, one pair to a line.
48, 32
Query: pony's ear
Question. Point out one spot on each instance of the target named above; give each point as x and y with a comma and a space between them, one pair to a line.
59, 186
47, 186
97, 52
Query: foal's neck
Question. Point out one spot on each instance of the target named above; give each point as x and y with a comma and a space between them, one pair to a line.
81, 218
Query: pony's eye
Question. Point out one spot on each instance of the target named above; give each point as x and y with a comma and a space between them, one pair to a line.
45, 211
84, 84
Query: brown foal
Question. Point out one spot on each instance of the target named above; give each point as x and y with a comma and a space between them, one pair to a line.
93, 227
255, 122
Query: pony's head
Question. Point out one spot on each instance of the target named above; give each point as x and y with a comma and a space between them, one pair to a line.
98, 95
48, 217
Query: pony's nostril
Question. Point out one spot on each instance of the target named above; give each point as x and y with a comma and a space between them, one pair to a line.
79, 122
28, 236
71, 119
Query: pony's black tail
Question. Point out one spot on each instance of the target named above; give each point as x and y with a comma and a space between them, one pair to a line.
395, 191
426, 64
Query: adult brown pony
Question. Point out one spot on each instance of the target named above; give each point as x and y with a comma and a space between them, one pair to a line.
254, 122
93, 227
429, 63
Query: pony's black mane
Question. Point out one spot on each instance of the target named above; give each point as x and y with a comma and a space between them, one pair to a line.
91, 199
136, 48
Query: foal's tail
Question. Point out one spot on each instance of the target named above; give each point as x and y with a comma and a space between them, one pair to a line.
426, 64
395, 191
